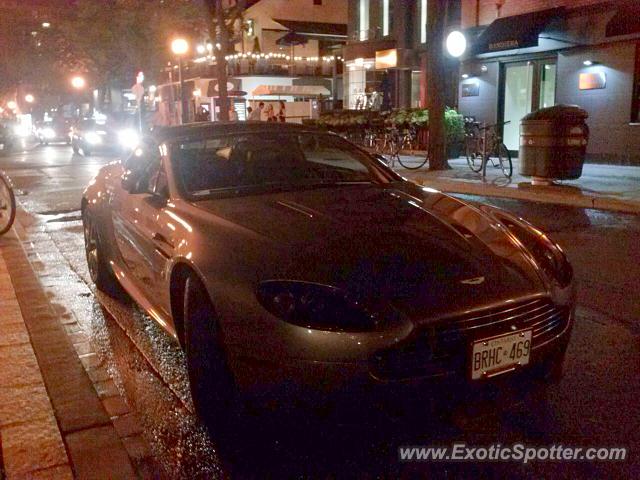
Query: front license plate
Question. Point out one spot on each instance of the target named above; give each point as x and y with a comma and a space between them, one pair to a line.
501, 354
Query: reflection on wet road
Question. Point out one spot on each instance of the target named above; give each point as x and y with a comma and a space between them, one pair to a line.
594, 405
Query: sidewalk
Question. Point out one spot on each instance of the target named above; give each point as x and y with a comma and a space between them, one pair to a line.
53, 423
605, 187
31, 444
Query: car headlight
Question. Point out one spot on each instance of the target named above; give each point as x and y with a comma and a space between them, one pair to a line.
48, 133
128, 138
93, 138
548, 254
316, 306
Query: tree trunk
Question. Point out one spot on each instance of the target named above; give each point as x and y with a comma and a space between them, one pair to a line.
218, 31
436, 74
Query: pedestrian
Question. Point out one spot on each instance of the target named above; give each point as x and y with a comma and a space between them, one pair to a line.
257, 113
249, 111
233, 115
269, 112
282, 113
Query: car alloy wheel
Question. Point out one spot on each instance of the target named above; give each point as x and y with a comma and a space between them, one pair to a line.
100, 273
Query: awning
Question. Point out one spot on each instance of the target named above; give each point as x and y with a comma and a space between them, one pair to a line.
292, 90
626, 21
315, 29
519, 31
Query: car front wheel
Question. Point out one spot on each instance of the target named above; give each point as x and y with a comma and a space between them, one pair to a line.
99, 271
213, 389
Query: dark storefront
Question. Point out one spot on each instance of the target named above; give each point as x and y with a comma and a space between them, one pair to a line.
586, 56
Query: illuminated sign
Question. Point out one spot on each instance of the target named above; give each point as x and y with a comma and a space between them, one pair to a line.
386, 59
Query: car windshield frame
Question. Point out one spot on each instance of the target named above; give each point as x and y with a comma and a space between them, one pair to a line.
378, 173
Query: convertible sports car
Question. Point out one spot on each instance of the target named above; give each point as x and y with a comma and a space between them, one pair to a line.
279, 256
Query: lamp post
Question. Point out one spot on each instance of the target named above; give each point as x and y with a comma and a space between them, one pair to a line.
78, 83
179, 47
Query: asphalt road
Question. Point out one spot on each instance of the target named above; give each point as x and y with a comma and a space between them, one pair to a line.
595, 404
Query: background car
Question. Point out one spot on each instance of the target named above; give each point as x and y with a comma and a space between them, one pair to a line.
54, 131
7, 137
290, 261
90, 135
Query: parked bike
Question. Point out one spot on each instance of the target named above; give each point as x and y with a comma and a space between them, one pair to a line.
484, 145
7, 204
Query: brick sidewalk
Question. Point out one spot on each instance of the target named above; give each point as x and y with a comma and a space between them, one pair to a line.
54, 423
32, 445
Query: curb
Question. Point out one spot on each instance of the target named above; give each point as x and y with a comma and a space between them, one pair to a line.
93, 446
543, 194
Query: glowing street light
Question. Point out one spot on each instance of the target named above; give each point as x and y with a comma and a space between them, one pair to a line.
46, 24
12, 105
179, 47
78, 82
29, 98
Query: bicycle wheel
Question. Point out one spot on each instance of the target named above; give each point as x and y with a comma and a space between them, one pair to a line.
505, 160
7, 205
413, 164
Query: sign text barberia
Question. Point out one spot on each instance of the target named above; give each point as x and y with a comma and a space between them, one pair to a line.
504, 45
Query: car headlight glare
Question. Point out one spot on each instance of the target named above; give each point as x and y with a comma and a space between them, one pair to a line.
128, 138
48, 133
93, 138
315, 306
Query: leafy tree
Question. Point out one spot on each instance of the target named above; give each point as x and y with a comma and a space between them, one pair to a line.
111, 40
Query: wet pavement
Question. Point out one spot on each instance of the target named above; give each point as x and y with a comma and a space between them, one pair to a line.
595, 404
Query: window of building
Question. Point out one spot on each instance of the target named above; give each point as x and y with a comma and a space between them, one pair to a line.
363, 16
423, 21
386, 7
635, 105
317, 2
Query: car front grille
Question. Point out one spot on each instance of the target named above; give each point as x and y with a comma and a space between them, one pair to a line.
442, 348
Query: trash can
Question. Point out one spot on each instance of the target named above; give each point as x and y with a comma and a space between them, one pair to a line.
553, 143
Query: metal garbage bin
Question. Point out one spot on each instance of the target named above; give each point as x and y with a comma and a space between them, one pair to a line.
553, 143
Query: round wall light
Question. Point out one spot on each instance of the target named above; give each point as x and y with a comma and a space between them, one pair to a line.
456, 43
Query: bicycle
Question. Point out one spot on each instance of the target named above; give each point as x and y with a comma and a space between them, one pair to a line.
7, 204
390, 145
484, 144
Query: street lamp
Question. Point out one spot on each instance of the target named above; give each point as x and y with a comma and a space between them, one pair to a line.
179, 47
29, 98
12, 105
78, 82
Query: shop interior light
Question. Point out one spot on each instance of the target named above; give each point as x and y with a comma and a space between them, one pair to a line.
588, 63
465, 75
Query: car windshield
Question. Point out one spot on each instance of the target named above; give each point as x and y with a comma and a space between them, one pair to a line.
267, 161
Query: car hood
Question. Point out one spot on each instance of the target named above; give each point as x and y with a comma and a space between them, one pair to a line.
421, 250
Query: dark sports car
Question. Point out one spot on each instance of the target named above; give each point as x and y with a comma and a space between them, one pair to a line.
282, 256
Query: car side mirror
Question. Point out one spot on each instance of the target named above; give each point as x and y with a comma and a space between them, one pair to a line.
130, 181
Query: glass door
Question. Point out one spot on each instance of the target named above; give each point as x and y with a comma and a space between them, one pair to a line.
525, 86
517, 98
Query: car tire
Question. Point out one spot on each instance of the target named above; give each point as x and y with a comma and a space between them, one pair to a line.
99, 271
212, 385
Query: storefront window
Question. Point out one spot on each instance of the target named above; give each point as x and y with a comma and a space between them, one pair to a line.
423, 21
415, 89
363, 16
362, 85
386, 7
547, 85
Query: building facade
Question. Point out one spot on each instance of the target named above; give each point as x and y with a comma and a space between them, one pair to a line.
385, 54
526, 55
